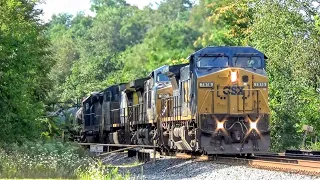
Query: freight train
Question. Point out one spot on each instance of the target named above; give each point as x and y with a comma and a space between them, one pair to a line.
217, 103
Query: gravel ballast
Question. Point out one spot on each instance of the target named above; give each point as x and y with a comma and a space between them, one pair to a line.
173, 168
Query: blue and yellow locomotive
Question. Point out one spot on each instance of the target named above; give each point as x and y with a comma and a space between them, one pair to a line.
215, 104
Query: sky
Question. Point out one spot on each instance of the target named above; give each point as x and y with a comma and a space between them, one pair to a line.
51, 7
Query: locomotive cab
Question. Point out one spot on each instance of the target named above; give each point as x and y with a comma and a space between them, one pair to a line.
230, 99
92, 116
160, 86
110, 117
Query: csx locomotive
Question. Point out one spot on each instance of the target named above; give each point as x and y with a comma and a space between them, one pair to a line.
215, 104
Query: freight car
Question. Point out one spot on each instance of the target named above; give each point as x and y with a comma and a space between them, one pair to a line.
215, 104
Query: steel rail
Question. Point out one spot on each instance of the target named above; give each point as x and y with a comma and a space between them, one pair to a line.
118, 145
290, 160
290, 156
271, 163
307, 168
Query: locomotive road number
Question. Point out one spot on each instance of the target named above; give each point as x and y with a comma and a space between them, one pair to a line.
205, 84
233, 90
96, 148
260, 84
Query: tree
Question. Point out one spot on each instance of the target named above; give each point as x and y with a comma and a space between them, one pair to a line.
289, 44
68, 36
222, 22
174, 10
166, 44
116, 27
25, 64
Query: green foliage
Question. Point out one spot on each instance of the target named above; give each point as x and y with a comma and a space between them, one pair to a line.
115, 27
67, 38
122, 43
50, 128
317, 19
25, 63
222, 22
162, 45
41, 160
174, 10
52, 159
293, 98
120, 37
315, 146
97, 170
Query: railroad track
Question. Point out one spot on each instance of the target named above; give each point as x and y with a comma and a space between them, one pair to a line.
302, 164
272, 162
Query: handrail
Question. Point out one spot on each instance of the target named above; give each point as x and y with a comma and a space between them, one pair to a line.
264, 99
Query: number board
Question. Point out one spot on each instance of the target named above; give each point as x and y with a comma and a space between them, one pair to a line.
206, 84
260, 84
96, 148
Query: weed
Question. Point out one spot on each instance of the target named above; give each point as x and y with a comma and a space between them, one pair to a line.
52, 159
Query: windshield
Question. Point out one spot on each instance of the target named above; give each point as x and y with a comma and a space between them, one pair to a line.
212, 62
247, 62
162, 78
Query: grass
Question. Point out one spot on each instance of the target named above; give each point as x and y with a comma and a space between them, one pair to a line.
129, 165
314, 147
52, 160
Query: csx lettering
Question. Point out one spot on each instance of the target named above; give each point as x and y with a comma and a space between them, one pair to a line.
233, 90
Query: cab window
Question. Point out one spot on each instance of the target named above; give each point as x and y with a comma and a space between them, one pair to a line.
247, 62
212, 62
162, 78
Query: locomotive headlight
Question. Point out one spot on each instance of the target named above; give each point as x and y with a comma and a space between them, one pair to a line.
163, 96
253, 125
220, 125
233, 76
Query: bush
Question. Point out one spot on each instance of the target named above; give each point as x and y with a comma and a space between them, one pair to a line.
314, 146
97, 170
51, 159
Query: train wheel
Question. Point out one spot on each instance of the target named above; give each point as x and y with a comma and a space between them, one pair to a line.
147, 137
115, 137
110, 137
140, 141
134, 139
